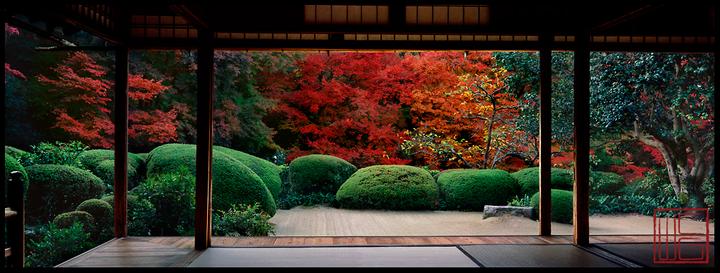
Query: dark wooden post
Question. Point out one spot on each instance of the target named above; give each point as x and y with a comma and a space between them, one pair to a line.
16, 223
120, 186
203, 182
581, 196
545, 213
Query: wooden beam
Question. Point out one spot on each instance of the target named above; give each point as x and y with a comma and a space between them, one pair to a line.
545, 95
190, 16
581, 231
203, 183
120, 186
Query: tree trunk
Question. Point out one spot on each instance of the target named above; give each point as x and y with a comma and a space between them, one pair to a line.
489, 135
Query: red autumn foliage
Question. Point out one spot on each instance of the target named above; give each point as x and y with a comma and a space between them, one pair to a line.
83, 110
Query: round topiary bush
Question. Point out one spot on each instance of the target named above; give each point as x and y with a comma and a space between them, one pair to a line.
58, 188
318, 173
67, 219
266, 170
473, 189
91, 158
11, 164
233, 182
562, 205
99, 209
530, 184
394, 187
605, 182
106, 171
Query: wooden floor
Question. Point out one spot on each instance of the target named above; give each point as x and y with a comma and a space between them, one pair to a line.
179, 252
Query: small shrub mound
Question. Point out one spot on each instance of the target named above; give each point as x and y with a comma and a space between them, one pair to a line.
11, 164
318, 174
242, 221
99, 209
530, 184
605, 182
67, 219
473, 189
90, 159
106, 171
59, 188
562, 205
393, 187
141, 214
173, 196
233, 182
266, 170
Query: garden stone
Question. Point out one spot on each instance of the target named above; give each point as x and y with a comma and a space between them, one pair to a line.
491, 211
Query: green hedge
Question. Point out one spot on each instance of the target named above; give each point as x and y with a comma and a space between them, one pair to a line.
394, 187
233, 182
529, 179
473, 189
90, 159
99, 209
605, 182
59, 188
67, 219
14, 152
266, 170
11, 164
106, 171
562, 205
318, 174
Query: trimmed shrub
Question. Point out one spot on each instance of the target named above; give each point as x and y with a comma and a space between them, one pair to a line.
11, 164
394, 187
141, 214
14, 152
266, 170
58, 188
67, 219
106, 171
233, 182
173, 196
562, 205
242, 221
437, 174
473, 189
530, 184
99, 209
605, 182
318, 173
90, 159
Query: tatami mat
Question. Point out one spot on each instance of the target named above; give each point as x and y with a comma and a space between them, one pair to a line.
535, 256
642, 254
334, 257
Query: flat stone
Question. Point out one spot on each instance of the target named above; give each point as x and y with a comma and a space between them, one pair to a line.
492, 211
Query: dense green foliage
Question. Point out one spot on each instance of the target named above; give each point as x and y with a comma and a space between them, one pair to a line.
472, 189
14, 152
233, 182
59, 153
11, 164
141, 215
529, 179
266, 170
173, 196
396, 187
106, 171
59, 188
55, 245
101, 211
562, 204
90, 159
605, 183
248, 220
318, 173
643, 197
67, 219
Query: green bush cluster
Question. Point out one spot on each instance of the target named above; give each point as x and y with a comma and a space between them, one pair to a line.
605, 183
11, 164
59, 153
562, 205
101, 162
530, 184
54, 245
173, 197
472, 189
67, 219
266, 170
15, 152
248, 220
318, 173
643, 197
141, 215
233, 182
394, 187
101, 211
59, 188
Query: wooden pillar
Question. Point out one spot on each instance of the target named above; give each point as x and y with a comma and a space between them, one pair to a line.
545, 134
203, 182
581, 193
120, 186
16, 224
